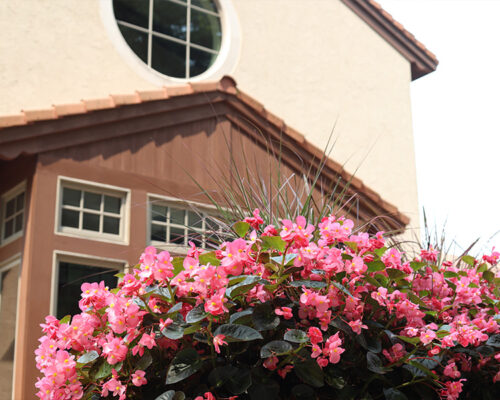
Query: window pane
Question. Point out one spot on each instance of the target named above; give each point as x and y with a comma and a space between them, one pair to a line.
195, 220
170, 18
71, 277
199, 61
196, 237
111, 225
158, 213
70, 218
133, 11
205, 30
177, 236
112, 204
92, 201
158, 233
177, 216
10, 207
137, 40
206, 4
168, 57
19, 223
90, 222
9, 228
71, 197
20, 202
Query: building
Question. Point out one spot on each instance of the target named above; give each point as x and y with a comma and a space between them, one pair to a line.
85, 185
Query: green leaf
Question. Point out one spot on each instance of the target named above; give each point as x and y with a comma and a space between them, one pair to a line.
264, 317
417, 369
242, 316
369, 343
275, 348
481, 268
196, 314
104, 370
296, 336
450, 274
310, 372
374, 364
341, 325
411, 340
417, 300
309, 284
88, 357
241, 228
120, 275
171, 395
178, 264
273, 243
303, 392
174, 309
342, 288
288, 259
174, 331
236, 380
209, 258
494, 341
417, 265
352, 245
235, 333
380, 252
395, 274
382, 279
489, 276
375, 266
242, 287
333, 379
394, 394
186, 363
144, 362
65, 320
469, 260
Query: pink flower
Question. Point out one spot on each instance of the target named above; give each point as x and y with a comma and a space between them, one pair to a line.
256, 220
427, 336
114, 386
452, 390
219, 341
357, 325
215, 304
395, 353
138, 378
332, 348
380, 295
285, 370
451, 370
271, 363
286, 312
315, 335
114, 349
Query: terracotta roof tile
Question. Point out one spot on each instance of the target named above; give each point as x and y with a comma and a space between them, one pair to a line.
12, 120
39, 115
228, 84
152, 95
245, 98
99, 104
180, 90
125, 99
204, 86
70, 109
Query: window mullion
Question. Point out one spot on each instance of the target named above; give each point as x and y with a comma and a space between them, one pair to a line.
101, 215
150, 32
80, 214
188, 37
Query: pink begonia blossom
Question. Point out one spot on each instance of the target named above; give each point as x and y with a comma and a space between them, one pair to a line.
427, 336
138, 378
315, 335
452, 390
219, 341
115, 387
429, 255
286, 312
284, 371
270, 363
115, 349
256, 220
215, 304
206, 396
493, 258
395, 353
451, 370
357, 325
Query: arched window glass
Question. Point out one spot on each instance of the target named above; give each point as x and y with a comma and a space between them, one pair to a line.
177, 38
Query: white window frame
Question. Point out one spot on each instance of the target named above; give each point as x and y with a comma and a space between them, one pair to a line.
95, 187
224, 64
5, 198
167, 201
15, 260
83, 259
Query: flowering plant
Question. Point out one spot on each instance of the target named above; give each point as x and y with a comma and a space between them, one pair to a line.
291, 311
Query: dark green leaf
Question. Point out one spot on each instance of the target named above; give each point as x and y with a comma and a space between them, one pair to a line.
174, 309
171, 395
234, 333
174, 331
489, 276
241, 228
450, 274
273, 243
275, 348
412, 340
186, 363
310, 372
341, 325
239, 316
288, 259
417, 265
264, 317
374, 364
394, 394
309, 284
494, 341
268, 390
88, 357
352, 245
196, 314
303, 392
296, 336
375, 266
342, 287
240, 381
395, 274
417, 369
104, 370
333, 379
244, 286
144, 362
209, 258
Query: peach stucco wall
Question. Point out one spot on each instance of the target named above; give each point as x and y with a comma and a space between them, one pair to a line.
312, 62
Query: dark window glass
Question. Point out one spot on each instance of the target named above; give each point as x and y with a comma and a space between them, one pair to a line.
199, 61
70, 218
132, 11
90, 222
92, 201
206, 4
9, 228
137, 40
20, 202
168, 57
205, 30
111, 225
112, 204
170, 18
177, 236
158, 213
158, 233
10, 208
71, 197
71, 277
19, 223
195, 220
177, 216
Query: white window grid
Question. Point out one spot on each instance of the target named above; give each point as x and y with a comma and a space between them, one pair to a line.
100, 189
18, 198
150, 32
208, 218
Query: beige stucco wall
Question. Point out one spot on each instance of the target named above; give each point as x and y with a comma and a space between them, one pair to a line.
312, 62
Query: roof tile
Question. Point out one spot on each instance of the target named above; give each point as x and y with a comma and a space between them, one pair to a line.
70, 109
12, 120
204, 86
125, 99
180, 90
152, 95
99, 104
39, 115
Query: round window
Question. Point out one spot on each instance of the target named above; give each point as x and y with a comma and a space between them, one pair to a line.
177, 38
